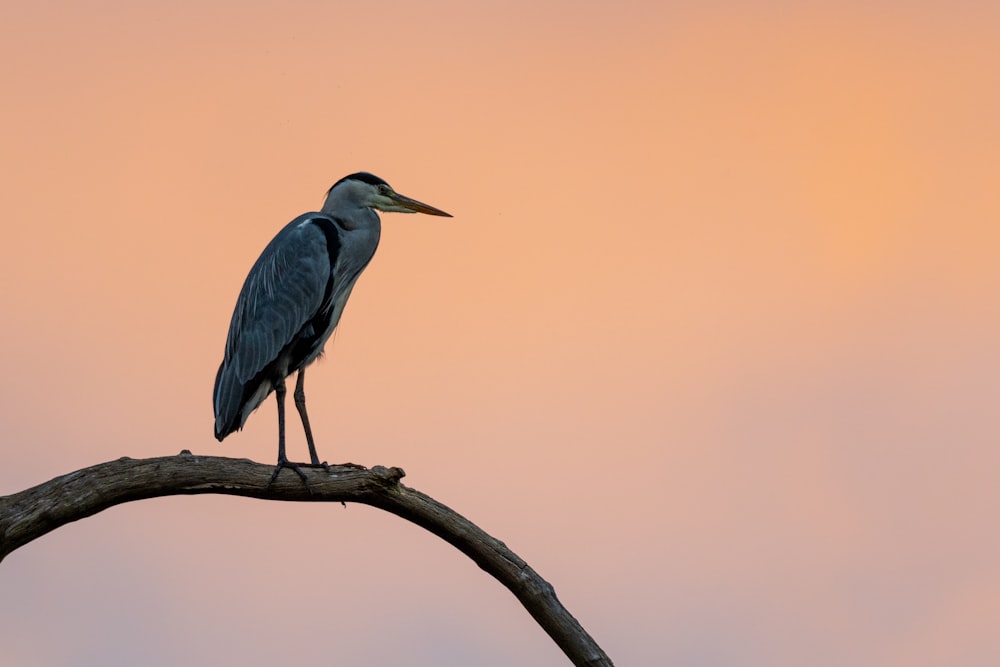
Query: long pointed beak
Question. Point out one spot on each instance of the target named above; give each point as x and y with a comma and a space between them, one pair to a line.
412, 205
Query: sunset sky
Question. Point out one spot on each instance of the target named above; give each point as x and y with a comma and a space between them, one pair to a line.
712, 340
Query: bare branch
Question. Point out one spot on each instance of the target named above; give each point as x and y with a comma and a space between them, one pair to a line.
34, 512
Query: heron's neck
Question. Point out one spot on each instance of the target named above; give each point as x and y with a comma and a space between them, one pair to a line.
352, 216
358, 243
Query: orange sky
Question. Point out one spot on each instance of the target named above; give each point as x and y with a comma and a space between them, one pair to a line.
711, 340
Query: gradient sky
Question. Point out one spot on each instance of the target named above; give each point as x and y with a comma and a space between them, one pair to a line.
711, 340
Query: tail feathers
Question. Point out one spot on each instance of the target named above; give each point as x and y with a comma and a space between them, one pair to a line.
226, 399
235, 400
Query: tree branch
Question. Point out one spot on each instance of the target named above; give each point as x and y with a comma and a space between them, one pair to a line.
28, 515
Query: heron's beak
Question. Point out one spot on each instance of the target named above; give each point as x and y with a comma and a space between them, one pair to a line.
413, 206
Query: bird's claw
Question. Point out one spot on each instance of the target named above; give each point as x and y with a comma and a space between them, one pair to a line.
297, 467
288, 464
317, 464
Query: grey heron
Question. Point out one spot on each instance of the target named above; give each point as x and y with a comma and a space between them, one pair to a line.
293, 298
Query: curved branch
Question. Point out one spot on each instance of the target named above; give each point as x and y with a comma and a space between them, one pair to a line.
34, 512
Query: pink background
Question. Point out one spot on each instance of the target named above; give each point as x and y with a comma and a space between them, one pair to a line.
713, 340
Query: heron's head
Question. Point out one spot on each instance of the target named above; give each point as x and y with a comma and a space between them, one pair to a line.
367, 190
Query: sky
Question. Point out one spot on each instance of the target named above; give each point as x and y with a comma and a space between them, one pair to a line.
710, 342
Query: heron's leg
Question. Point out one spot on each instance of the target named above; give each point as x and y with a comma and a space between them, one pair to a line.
283, 462
279, 395
300, 404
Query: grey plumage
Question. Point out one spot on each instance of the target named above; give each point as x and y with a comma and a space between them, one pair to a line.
294, 296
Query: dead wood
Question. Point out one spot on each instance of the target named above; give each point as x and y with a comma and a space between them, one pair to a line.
28, 515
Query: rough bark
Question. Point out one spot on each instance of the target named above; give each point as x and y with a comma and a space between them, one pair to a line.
34, 512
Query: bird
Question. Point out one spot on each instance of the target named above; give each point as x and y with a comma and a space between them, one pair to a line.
292, 300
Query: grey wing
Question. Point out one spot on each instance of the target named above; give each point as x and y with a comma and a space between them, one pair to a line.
283, 291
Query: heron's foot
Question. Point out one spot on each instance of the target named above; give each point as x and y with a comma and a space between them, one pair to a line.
285, 463
329, 468
316, 463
